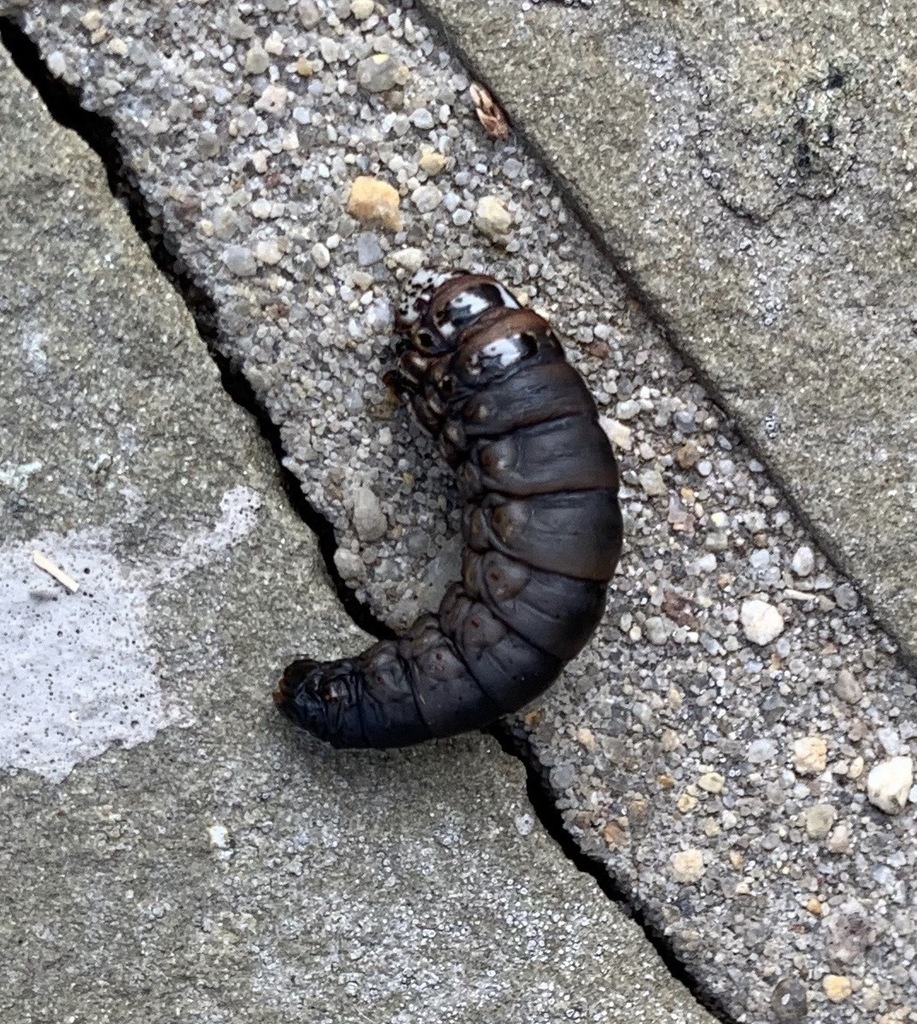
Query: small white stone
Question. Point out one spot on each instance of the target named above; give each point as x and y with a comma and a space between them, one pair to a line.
426, 198
309, 15
619, 435
761, 622
422, 118
57, 64
321, 257
810, 755
803, 561
329, 49
652, 483
362, 9
687, 865
349, 565
410, 259
628, 409
269, 252
219, 836
889, 783
274, 44
273, 99
240, 260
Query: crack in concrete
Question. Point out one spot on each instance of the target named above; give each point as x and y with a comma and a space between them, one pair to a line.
98, 132
63, 103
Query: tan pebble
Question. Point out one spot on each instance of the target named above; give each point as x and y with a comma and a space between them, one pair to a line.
431, 160
670, 740
687, 865
492, 218
900, 1015
837, 987
736, 859
810, 755
711, 782
615, 835
586, 737
686, 803
857, 765
840, 839
712, 827
814, 906
665, 781
639, 811
819, 820
304, 67
362, 9
373, 201
688, 455
92, 19
118, 47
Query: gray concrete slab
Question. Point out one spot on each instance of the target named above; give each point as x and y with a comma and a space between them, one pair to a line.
170, 849
715, 744
751, 172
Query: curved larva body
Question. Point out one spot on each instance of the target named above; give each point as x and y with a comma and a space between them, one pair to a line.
542, 528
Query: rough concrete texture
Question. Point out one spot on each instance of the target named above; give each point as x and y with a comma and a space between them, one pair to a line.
715, 744
751, 170
226, 870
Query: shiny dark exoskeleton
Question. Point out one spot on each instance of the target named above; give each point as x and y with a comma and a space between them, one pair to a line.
542, 528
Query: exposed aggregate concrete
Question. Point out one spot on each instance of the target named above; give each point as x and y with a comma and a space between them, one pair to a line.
713, 745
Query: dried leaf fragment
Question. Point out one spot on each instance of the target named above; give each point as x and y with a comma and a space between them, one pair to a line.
490, 114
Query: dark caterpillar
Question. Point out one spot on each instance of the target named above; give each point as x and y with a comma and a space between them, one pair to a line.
542, 528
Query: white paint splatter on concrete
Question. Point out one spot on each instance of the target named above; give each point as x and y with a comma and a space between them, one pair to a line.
238, 516
79, 671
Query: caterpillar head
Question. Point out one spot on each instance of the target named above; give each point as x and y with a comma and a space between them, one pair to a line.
439, 304
417, 294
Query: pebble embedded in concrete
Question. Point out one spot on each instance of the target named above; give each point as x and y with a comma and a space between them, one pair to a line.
889, 784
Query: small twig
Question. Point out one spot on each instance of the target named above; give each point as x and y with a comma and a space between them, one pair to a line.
43, 562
